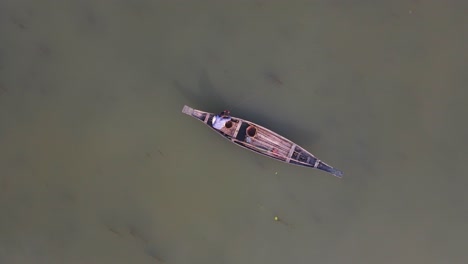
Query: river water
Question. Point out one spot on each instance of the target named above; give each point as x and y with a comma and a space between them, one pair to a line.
99, 165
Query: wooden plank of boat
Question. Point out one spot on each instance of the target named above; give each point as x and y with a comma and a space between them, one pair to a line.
263, 141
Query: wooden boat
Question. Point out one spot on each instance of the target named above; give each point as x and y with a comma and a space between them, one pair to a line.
262, 141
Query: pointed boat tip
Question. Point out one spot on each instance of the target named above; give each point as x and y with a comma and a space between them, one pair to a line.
331, 170
337, 173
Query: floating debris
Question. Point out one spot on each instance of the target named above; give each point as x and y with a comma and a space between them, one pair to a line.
161, 153
275, 217
113, 231
137, 235
274, 78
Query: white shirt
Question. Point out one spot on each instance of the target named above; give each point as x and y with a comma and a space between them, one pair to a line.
219, 122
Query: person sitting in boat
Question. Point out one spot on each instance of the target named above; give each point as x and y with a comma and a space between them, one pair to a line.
220, 120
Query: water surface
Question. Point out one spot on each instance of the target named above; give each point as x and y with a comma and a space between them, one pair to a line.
99, 165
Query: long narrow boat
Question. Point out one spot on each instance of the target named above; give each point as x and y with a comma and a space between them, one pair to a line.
262, 141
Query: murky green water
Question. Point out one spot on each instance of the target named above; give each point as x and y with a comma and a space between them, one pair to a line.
99, 165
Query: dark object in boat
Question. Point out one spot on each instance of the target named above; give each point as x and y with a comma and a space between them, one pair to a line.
263, 141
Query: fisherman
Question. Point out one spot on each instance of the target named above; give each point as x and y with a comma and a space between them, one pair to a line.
220, 120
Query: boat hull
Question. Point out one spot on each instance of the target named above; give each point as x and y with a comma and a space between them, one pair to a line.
263, 141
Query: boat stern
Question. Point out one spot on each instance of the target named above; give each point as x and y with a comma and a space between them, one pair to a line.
187, 110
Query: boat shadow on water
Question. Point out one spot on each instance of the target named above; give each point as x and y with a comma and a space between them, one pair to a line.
206, 96
211, 99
